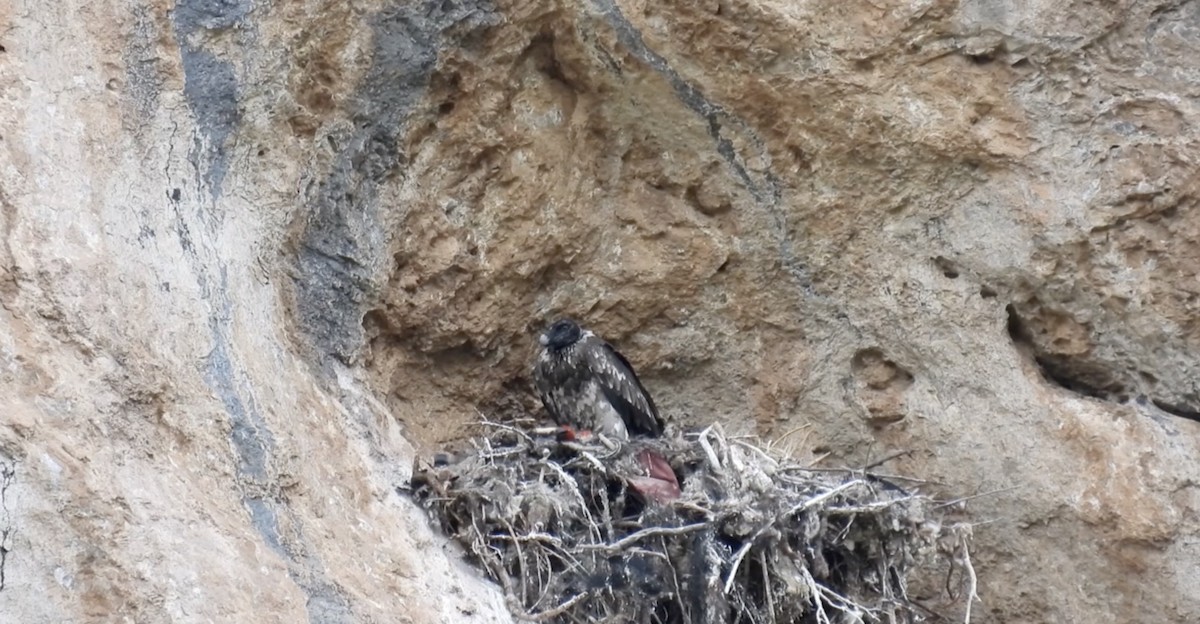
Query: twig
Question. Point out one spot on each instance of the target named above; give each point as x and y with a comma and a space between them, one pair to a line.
766, 572
816, 500
529, 537
644, 533
737, 559
873, 506
497, 454
815, 594
674, 573
509, 428
608, 523
974, 496
708, 450
683, 504
757, 451
886, 459
972, 581
801, 506
520, 559
853, 471
549, 613
591, 459
567, 481
894, 477
786, 434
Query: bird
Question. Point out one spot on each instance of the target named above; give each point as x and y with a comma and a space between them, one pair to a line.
588, 387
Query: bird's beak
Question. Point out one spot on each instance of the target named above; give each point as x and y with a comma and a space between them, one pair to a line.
543, 340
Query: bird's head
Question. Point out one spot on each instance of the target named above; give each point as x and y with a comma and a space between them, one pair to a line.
563, 333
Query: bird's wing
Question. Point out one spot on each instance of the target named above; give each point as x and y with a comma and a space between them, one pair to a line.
545, 387
623, 389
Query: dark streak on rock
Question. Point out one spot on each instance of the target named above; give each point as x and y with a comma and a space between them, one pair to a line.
763, 186
249, 433
210, 85
343, 241
253, 444
211, 90
8, 474
263, 517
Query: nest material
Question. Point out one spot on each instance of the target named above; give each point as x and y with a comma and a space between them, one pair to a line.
754, 538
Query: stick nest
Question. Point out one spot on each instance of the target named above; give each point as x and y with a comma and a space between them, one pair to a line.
754, 538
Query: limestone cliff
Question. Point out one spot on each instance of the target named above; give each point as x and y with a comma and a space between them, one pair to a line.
252, 252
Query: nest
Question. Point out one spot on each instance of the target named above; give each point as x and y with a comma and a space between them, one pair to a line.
755, 537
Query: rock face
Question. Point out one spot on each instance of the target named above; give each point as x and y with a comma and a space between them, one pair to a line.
249, 252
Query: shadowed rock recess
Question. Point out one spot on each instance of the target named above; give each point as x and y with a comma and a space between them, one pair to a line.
254, 254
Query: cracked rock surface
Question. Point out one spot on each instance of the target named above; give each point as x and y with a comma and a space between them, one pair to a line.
251, 253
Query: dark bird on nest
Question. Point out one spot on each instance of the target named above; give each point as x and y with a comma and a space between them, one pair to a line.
587, 386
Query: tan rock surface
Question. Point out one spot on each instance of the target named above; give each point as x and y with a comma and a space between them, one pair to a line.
250, 252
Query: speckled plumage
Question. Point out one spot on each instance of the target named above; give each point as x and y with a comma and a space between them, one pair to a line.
586, 384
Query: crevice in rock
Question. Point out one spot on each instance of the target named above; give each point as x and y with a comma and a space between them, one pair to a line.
1074, 374
1083, 375
1182, 411
1062, 375
947, 267
1016, 327
8, 473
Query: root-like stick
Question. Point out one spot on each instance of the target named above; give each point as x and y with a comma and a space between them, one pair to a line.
963, 499
709, 452
817, 500
520, 559
787, 434
509, 428
757, 451
737, 559
814, 593
548, 614
886, 459
529, 537
683, 504
870, 507
972, 582
591, 459
644, 533
766, 573
818, 459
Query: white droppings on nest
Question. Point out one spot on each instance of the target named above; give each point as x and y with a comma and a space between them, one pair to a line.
755, 536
